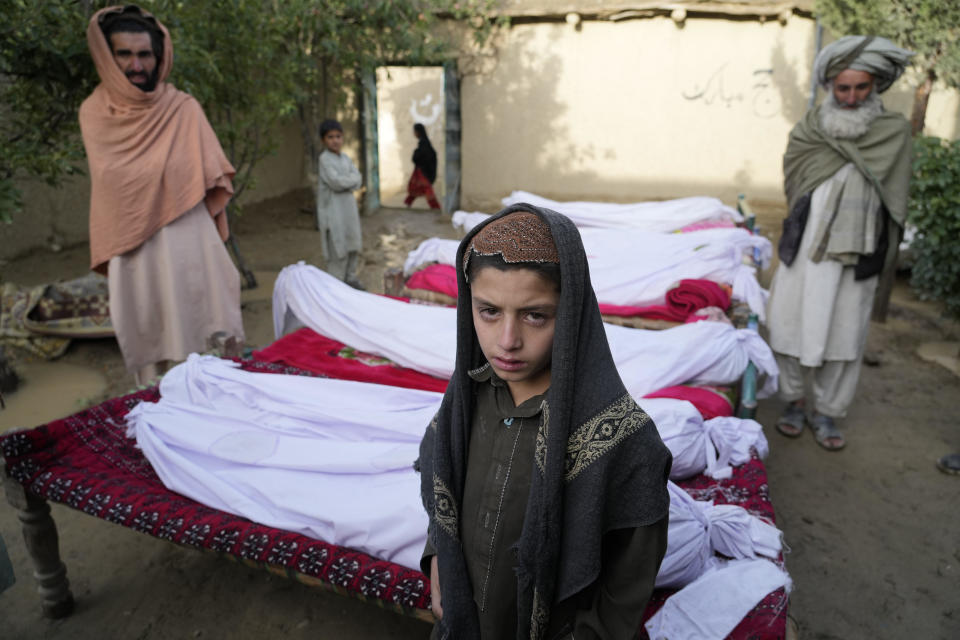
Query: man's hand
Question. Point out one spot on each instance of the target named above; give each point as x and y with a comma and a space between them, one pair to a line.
435, 605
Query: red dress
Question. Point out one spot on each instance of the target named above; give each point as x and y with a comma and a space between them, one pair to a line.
424, 173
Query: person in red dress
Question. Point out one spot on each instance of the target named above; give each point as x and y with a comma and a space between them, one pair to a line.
425, 170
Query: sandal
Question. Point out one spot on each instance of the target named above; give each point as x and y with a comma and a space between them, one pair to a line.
826, 433
949, 463
791, 422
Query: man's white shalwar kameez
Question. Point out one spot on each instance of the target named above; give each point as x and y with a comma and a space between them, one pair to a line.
819, 314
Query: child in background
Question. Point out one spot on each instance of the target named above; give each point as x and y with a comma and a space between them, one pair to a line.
545, 483
337, 216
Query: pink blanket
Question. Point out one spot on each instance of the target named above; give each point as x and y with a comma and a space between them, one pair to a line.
711, 402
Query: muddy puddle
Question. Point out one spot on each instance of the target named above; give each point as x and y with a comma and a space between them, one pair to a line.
48, 391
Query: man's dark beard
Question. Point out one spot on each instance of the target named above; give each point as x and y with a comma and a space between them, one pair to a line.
151, 82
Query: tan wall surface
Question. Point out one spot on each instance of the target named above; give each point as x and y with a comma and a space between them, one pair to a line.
406, 95
59, 216
644, 109
286, 169
51, 217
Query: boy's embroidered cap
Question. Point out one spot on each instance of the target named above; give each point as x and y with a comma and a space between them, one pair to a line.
518, 237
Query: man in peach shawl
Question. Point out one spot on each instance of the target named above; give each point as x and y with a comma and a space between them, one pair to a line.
160, 183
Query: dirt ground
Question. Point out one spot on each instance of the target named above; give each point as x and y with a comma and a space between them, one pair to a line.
874, 531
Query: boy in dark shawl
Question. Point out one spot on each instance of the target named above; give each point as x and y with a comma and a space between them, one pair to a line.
545, 483
424, 170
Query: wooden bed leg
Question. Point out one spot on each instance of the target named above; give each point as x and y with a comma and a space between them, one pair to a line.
43, 546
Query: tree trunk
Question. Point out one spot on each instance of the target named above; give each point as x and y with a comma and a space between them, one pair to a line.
920, 99
313, 111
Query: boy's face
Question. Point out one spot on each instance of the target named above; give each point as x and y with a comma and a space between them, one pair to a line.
514, 315
333, 140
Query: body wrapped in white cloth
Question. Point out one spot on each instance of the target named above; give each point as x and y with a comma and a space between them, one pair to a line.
330, 459
637, 268
699, 529
423, 337
703, 446
714, 604
665, 216
333, 460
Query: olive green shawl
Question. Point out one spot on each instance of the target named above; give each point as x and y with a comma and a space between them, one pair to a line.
883, 155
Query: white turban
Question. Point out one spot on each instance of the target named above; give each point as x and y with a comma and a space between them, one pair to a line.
877, 56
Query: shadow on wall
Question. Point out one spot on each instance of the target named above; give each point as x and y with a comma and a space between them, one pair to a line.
777, 89
523, 75
788, 82
52, 218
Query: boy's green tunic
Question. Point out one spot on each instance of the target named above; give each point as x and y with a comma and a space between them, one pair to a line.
502, 445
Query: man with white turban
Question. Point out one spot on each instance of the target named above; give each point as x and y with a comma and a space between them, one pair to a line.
846, 177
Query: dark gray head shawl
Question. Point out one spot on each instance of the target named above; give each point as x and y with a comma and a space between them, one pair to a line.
600, 463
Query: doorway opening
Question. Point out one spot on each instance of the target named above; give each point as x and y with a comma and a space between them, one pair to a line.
396, 98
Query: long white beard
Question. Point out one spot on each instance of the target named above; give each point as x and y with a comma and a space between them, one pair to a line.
848, 124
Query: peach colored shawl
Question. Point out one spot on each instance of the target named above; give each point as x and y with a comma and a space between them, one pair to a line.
152, 155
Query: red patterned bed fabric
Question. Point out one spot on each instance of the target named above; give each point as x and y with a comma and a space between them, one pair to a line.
86, 462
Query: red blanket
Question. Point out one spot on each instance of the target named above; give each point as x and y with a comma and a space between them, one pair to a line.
86, 462
307, 349
682, 300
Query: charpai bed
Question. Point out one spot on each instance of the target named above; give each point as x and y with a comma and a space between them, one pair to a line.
87, 462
